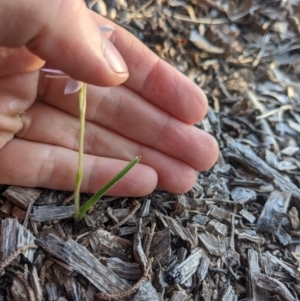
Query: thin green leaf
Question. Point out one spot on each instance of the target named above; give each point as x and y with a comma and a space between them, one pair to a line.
98, 195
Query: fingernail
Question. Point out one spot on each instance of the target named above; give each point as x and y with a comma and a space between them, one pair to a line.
114, 58
106, 28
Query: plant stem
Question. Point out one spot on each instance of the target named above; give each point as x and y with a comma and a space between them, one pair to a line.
82, 109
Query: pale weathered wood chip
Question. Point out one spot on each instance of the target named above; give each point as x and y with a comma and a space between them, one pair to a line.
181, 272
274, 286
254, 291
214, 245
21, 196
220, 213
243, 195
50, 213
216, 228
178, 230
83, 262
36, 285
138, 251
14, 236
161, 246
271, 217
105, 243
147, 293
243, 154
126, 270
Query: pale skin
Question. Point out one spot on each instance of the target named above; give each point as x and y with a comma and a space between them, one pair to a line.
146, 109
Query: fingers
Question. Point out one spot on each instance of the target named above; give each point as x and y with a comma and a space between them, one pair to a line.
66, 34
49, 125
62, 33
19, 60
126, 113
156, 80
54, 167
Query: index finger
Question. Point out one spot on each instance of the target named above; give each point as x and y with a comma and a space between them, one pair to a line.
62, 33
156, 80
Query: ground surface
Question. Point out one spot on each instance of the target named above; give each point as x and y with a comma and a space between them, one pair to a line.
235, 235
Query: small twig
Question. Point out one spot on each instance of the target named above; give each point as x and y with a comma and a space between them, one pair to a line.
109, 199
145, 238
26, 272
14, 255
126, 219
215, 200
256, 104
110, 213
130, 291
138, 250
224, 89
231, 272
25, 222
34, 228
87, 233
42, 275
265, 41
149, 239
67, 200
231, 244
136, 12
26, 284
260, 258
60, 231
224, 271
210, 21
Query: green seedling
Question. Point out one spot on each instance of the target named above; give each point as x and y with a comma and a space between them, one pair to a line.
74, 86
80, 212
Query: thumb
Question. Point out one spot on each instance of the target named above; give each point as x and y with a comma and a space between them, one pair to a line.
62, 33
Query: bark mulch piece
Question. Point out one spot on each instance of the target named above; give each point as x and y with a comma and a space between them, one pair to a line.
235, 235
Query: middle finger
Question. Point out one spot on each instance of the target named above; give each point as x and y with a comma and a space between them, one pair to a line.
127, 114
49, 125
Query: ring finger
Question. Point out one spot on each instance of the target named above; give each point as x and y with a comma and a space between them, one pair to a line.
46, 124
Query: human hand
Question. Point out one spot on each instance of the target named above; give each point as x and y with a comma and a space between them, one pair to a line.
149, 115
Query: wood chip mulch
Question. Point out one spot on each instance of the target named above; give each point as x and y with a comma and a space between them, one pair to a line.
235, 235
